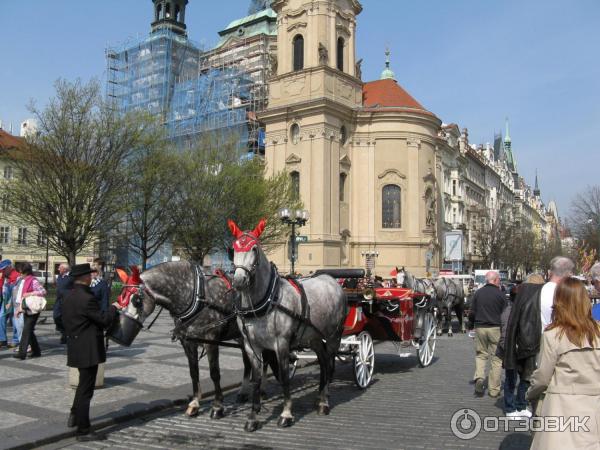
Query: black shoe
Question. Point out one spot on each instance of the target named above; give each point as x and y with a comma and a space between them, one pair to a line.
18, 356
90, 437
71, 422
479, 390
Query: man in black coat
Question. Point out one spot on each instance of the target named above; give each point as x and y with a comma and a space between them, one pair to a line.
486, 310
64, 283
84, 324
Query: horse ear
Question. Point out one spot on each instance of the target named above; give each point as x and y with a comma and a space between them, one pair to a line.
259, 228
135, 274
235, 231
394, 272
122, 275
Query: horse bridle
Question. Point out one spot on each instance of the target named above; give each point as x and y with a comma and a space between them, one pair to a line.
252, 270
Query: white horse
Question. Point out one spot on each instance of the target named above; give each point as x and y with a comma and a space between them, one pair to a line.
284, 315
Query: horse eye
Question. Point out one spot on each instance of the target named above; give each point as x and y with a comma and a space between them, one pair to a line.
230, 253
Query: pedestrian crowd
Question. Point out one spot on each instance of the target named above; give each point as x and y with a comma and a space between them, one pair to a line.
81, 312
547, 341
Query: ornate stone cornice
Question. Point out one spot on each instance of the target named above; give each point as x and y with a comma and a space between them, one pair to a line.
391, 172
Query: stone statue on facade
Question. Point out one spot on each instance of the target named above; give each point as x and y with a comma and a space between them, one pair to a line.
273, 63
358, 69
430, 205
323, 54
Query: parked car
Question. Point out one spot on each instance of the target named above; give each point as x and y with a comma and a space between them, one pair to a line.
40, 275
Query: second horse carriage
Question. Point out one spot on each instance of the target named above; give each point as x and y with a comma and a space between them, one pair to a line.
399, 315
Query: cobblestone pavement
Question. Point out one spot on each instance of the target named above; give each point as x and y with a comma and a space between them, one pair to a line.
406, 407
153, 373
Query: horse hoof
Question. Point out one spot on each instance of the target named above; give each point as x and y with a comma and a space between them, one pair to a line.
450, 335
285, 422
192, 411
439, 333
242, 398
217, 413
323, 410
251, 425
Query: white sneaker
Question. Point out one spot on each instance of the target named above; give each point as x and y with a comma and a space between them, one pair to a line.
515, 415
526, 414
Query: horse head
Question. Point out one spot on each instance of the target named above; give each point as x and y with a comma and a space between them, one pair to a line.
246, 253
401, 277
133, 298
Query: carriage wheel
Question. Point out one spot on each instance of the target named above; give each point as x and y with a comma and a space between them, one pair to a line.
364, 360
427, 344
293, 365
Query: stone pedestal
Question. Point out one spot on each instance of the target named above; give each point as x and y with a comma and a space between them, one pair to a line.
74, 377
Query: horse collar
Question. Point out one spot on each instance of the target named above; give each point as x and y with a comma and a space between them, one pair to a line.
269, 298
198, 295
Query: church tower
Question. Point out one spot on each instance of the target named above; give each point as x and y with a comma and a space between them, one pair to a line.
170, 15
314, 92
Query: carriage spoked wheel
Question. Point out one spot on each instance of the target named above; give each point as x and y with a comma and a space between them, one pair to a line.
427, 343
364, 360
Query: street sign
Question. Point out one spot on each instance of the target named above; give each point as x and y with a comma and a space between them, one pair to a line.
453, 249
301, 239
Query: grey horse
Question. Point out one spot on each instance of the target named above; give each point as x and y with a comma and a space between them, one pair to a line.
175, 287
275, 315
451, 297
423, 285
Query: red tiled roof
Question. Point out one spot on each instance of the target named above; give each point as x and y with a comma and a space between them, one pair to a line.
7, 140
387, 93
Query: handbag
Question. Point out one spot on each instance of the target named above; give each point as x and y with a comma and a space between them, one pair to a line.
33, 304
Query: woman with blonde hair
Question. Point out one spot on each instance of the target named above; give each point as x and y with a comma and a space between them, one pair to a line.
568, 371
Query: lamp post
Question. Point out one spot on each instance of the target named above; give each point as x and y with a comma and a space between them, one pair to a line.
295, 218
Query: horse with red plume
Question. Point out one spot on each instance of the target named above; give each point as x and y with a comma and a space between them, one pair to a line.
274, 315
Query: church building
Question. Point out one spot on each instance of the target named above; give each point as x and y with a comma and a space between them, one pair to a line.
360, 154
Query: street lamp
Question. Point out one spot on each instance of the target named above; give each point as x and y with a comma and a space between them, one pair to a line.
295, 218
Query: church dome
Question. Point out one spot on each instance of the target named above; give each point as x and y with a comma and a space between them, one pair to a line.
387, 74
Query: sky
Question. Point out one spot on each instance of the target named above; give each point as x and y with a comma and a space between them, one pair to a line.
471, 62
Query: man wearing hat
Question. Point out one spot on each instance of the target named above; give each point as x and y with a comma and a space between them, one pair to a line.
7, 282
84, 324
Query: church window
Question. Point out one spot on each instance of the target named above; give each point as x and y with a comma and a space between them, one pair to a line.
158, 11
177, 11
298, 52
295, 133
340, 54
168, 11
295, 180
343, 177
391, 217
343, 135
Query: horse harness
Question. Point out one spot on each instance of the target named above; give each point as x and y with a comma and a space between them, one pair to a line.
271, 302
198, 302
447, 293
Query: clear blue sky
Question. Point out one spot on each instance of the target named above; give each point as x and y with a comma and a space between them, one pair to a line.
471, 62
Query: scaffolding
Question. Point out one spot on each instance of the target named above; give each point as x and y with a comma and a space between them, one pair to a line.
194, 92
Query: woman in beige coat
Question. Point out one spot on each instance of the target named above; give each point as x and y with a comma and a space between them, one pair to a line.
569, 371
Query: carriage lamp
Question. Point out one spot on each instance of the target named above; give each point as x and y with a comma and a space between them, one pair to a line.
297, 218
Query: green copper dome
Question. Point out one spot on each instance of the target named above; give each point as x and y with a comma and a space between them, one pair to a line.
387, 74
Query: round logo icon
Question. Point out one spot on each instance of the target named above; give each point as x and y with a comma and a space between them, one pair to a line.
465, 424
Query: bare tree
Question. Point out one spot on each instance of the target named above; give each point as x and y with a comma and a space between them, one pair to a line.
214, 185
585, 217
69, 175
149, 186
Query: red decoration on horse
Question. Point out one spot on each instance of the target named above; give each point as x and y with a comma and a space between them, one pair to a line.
245, 241
131, 284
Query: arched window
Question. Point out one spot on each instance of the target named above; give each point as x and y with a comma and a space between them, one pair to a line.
391, 217
298, 52
295, 179
158, 11
295, 133
177, 11
340, 53
343, 177
168, 11
343, 135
